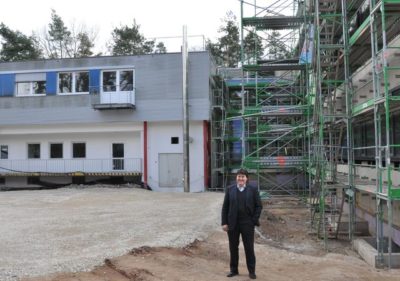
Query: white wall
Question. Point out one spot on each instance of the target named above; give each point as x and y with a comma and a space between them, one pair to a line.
370, 173
362, 79
98, 145
159, 141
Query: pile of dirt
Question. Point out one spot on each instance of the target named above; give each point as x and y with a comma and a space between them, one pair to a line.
286, 224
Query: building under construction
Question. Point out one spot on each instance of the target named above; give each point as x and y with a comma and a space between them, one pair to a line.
316, 115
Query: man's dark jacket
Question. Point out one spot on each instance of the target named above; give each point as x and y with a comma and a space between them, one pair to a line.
230, 206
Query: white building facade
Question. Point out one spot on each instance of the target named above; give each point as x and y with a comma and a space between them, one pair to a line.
90, 119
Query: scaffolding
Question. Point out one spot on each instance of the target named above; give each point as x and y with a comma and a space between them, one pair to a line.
314, 112
218, 150
268, 106
354, 84
352, 42
331, 119
379, 30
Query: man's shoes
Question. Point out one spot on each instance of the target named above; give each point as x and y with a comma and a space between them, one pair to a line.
252, 276
231, 274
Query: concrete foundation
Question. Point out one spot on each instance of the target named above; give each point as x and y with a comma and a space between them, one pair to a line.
366, 248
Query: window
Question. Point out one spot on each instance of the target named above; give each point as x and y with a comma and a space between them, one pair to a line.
73, 82
174, 140
109, 81
79, 150
118, 156
82, 82
4, 151
31, 88
117, 80
33, 150
65, 82
23, 89
56, 150
39, 87
118, 150
126, 80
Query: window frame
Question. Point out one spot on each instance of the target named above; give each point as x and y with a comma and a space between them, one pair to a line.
74, 75
31, 92
40, 152
118, 161
59, 90
118, 79
51, 151
1, 151
75, 80
72, 150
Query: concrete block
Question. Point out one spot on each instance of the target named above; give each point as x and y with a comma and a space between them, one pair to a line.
366, 248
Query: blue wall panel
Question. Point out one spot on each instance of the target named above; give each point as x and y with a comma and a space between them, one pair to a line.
7, 83
94, 81
51, 83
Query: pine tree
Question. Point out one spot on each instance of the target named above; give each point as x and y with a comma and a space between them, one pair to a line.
229, 43
253, 48
16, 46
226, 51
127, 40
85, 45
59, 37
160, 48
276, 47
59, 41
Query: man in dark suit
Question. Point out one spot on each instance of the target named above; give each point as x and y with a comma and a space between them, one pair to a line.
240, 214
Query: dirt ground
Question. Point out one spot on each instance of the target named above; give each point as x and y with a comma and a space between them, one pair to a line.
284, 248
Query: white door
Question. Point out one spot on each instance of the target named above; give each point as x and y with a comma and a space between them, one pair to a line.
170, 167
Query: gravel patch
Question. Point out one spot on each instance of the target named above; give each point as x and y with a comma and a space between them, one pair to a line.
75, 229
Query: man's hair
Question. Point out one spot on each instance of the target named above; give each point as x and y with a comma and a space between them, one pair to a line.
243, 172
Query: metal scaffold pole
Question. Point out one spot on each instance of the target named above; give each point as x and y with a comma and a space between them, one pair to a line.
349, 130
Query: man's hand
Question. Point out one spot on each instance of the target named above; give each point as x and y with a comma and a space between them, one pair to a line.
225, 227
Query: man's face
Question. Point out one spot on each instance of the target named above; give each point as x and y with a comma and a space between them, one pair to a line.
241, 180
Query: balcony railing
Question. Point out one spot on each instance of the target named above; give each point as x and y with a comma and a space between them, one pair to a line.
65, 166
112, 99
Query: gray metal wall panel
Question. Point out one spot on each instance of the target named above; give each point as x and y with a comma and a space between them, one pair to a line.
157, 76
158, 92
199, 75
77, 109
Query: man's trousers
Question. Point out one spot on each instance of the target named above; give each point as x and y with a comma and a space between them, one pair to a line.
246, 230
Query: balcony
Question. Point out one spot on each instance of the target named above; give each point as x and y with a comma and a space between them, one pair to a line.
71, 167
112, 99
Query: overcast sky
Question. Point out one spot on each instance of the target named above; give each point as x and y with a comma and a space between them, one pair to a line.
157, 18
